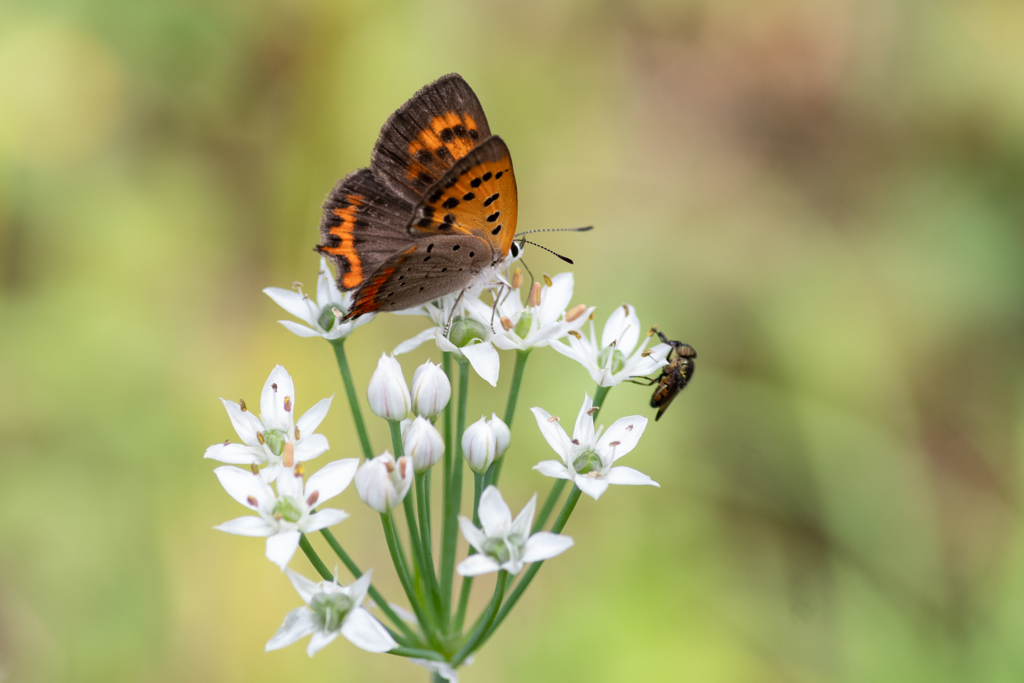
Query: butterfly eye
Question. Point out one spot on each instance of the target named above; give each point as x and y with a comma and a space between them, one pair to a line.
515, 250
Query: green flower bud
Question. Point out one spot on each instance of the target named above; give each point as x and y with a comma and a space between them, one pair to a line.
498, 549
618, 359
327, 317
288, 509
523, 326
586, 462
329, 610
465, 330
275, 438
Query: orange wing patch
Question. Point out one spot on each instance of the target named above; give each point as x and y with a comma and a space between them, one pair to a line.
346, 244
448, 137
367, 299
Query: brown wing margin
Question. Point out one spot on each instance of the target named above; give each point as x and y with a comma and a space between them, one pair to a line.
362, 226
422, 140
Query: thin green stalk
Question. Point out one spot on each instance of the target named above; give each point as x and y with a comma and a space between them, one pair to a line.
467, 581
563, 517
391, 535
510, 410
446, 365
599, 395
353, 398
453, 499
477, 637
417, 653
426, 543
549, 504
314, 559
384, 605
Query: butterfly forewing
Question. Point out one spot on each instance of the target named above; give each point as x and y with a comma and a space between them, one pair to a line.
362, 227
440, 124
476, 197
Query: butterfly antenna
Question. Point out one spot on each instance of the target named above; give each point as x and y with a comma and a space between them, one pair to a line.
583, 229
564, 258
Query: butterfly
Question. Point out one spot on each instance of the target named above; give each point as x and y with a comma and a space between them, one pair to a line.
433, 214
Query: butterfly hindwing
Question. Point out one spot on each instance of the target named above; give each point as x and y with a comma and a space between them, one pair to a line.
477, 196
430, 269
362, 227
440, 124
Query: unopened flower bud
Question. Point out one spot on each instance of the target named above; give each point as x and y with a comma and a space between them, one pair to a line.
502, 435
575, 312
383, 482
431, 390
534, 300
387, 393
479, 446
423, 443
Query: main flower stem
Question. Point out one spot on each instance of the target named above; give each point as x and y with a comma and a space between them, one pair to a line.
510, 410
353, 398
426, 543
467, 581
486, 624
563, 517
325, 573
391, 535
453, 499
383, 604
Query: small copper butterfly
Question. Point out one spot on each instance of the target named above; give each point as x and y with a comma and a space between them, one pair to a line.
435, 211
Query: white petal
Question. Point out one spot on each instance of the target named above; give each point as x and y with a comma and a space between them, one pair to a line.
584, 429
506, 342
555, 299
309, 447
305, 588
299, 330
289, 483
326, 289
281, 546
473, 536
544, 545
554, 468
624, 433
523, 521
297, 624
319, 641
312, 418
629, 477
271, 472
553, 433
332, 478
444, 344
323, 519
363, 631
291, 301
495, 517
484, 359
410, 344
621, 328
591, 486
358, 590
243, 484
245, 423
250, 525
233, 453
272, 401
474, 565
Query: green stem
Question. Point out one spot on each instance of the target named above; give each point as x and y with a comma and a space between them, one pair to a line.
453, 499
563, 517
353, 399
426, 543
446, 364
387, 519
417, 653
477, 637
314, 559
510, 410
467, 581
549, 504
599, 395
383, 604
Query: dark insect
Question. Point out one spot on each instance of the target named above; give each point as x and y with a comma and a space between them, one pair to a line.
674, 376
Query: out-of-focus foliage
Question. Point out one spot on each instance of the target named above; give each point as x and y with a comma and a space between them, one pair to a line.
824, 198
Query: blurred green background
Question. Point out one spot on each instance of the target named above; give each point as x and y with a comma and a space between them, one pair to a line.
824, 198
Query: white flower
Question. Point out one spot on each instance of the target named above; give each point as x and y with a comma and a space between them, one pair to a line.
610, 363
286, 515
502, 435
503, 543
543, 319
479, 445
274, 438
423, 443
383, 482
318, 315
431, 390
588, 457
331, 609
387, 392
442, 669
470, 336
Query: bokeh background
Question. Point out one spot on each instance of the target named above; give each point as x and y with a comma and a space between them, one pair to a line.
824, 198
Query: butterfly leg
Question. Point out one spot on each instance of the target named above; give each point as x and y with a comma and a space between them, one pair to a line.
494, 308
649, 381
451, 316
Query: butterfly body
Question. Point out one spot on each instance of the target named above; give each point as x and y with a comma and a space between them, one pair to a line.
436, 211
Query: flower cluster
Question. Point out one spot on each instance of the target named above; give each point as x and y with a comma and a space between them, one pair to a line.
265, 472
